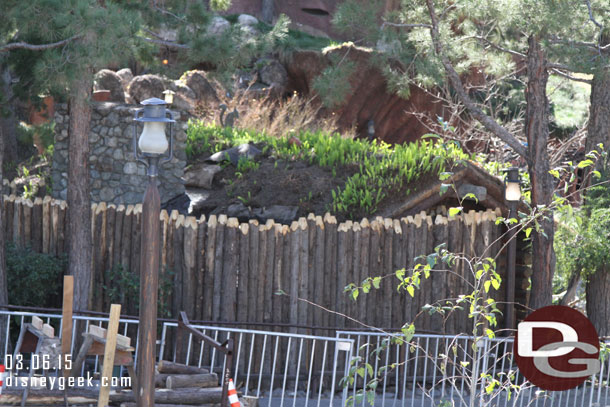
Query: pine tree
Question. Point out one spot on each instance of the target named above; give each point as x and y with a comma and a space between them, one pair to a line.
440, 42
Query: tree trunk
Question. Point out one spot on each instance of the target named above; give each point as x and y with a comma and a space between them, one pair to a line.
598, 306
598, 130
79, 205
7, 118
537, 132
268, 11
3, 284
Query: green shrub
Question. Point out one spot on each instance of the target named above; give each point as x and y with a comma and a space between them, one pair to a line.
34, 279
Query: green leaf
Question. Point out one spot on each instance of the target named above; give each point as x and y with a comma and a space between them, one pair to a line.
376, 282
444, 175
444, 188
455, 211
585, 163
486, 285
411, 290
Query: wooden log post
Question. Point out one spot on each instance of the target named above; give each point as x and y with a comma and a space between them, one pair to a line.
66, 321
109, 351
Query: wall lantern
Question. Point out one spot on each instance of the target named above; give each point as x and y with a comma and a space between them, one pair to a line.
512, 183
153, 143
168, 95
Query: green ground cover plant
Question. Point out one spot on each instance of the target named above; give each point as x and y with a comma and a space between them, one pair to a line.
381, 168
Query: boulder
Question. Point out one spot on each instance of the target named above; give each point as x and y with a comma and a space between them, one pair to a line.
181, 203
144, 87
279, 213
218, 26
109, 80
126, 76
247, 19
273, 74
235, 153
185, 97
203, 90
201, 175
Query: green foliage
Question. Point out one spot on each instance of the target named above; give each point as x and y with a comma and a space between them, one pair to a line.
364, 13
34, 279
220, 5
125, 286
381, 167
581, 242
333, 84
569, 103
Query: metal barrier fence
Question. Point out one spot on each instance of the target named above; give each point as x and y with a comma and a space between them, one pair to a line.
278, 368
445, 370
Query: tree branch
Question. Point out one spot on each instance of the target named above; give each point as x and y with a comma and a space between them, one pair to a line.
168, 44
499, 48
488, 122
405, 25
570, 77
37, 47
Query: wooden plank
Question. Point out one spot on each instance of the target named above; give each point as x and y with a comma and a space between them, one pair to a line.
279, 270
200, 267
17, 222
27, 222
118, 235
243, 271
37, 225
261, 277
303, 307
66, 318
373, 316
99, 248
268, 271
229, 271
343, 254
354, 274
439, 278
454, 245
365, 249
190, 263
126, 240
192, 380
218, 259
386, 271
121, 340
397, 319
108, 254
330, 268
48, 331
136, 240
312, 284
37, 322
317, 225
113, 327
165, 366
177, 250
9, 204
59, 214
210, 252
295, 241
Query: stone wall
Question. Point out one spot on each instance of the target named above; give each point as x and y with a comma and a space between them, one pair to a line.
115, 175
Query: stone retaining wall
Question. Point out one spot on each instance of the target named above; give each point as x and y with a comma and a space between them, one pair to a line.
115, 175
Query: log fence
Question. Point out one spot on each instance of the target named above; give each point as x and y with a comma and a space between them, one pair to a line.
218, 269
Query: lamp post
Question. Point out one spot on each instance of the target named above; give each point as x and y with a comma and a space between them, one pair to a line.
512, 194
153, 150
168, 95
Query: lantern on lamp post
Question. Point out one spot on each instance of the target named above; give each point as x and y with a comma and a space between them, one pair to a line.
512, 195
168, 95
151, 148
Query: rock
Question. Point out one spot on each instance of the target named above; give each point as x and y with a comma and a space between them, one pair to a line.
218, 26
279, 213
247, 19
144, 87
181, 203
239, 211
235, 153
126, 76
198, 82
185, 97
201, 175
109, 80
307, 29
273, 73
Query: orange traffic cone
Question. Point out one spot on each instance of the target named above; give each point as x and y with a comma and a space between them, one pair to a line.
233, 400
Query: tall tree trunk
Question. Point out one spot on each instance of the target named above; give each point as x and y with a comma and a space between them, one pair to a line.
7, 117
598, 306
537, 132
79, 202
598, 132
268, 11
3, 285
